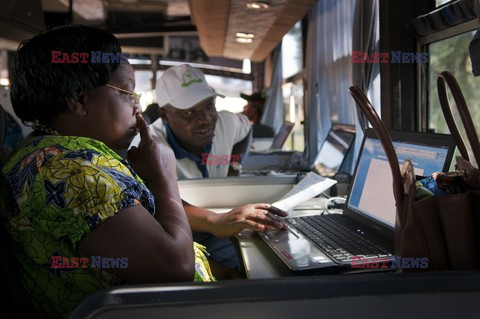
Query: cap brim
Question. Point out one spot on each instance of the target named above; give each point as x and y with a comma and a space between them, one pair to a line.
187, 101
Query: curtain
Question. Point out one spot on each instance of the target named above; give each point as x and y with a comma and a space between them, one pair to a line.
274, 113
314, 123
366, 36
328, 72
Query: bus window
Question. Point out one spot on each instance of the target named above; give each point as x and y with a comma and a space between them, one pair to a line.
452, 55
292, 53
292, 89
230, 88
447, 44
143, 85
293, 104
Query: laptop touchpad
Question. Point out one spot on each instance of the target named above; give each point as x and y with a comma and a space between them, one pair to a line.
280, 235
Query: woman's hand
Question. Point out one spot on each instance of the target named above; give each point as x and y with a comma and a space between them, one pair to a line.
152, 159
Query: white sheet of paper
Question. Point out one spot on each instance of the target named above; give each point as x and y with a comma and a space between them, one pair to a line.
310, 186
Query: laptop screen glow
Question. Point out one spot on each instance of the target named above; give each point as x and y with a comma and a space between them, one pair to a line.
372, 190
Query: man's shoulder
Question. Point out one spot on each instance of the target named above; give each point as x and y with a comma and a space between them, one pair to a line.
158, 129
46, 147
235, 118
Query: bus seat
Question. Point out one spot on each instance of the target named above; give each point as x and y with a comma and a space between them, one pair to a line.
14, 299
426, 295
3, 126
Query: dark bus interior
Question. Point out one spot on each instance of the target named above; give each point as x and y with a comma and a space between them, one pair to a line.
239, 42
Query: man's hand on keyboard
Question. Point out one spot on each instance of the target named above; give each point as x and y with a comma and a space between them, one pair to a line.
253, 216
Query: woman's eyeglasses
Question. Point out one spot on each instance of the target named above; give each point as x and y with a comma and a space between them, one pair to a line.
135, 96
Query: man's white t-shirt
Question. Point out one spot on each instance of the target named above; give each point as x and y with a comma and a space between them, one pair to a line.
230, 129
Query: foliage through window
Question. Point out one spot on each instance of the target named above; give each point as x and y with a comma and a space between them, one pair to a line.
452, 55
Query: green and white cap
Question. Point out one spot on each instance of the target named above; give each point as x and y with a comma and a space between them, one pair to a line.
183, 86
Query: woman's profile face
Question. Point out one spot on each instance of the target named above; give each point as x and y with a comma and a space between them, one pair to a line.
112, 113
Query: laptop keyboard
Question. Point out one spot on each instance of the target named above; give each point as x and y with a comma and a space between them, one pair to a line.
339, 242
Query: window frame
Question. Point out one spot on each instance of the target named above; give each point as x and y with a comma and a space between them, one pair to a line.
423, 71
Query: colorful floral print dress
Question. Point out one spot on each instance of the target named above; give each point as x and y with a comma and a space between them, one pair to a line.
57, 190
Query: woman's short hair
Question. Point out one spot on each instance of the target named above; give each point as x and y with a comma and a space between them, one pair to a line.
40, 89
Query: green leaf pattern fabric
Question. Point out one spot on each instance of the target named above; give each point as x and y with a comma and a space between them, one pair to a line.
59, 188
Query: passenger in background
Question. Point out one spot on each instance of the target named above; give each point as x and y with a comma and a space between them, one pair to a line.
254, 111
202, 140
82, 217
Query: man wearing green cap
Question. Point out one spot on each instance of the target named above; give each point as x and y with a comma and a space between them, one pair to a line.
191, 126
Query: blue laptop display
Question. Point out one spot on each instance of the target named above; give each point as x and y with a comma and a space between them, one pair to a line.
368, 194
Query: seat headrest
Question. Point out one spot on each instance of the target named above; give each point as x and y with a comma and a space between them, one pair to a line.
3, 126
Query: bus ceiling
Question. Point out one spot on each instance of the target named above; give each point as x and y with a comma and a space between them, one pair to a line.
237, 29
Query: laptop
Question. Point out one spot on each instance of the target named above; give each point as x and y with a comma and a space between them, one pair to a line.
326, 242
329, 160
335, 147
268, 144
281, 136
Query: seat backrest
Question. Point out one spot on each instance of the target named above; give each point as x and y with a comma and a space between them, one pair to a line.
4, 153
432, 295
14, 299
3, 126
15, 302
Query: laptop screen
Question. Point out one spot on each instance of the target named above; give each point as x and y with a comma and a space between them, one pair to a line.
281, 136
371, 193
334, 148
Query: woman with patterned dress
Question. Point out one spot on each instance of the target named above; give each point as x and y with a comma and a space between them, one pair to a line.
81, 216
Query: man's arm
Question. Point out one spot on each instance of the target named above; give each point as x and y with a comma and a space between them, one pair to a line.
253, 216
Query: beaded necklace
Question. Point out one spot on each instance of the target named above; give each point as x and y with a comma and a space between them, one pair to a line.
36, 126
